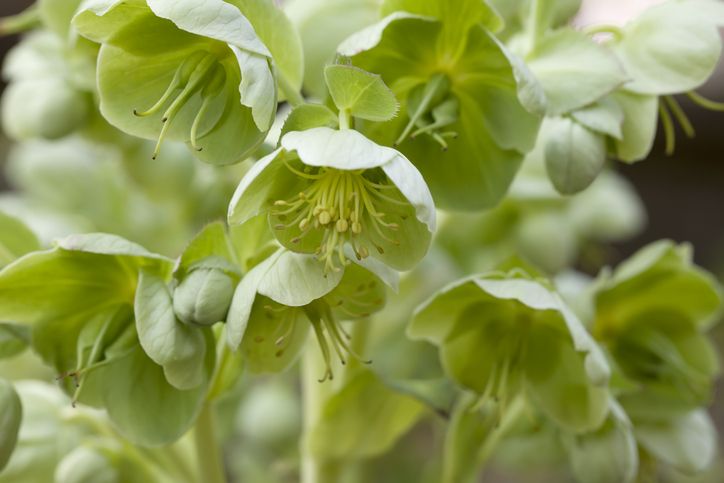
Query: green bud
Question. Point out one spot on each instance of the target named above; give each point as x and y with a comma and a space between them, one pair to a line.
203, 297
46, 108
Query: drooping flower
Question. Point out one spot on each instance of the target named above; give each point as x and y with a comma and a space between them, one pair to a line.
199, 73
278, 301
501, 335
337, 194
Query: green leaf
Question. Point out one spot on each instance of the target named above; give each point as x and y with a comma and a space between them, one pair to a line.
16, 239
11, 415
143, 405
309, 116
14, 339
364, 419
360, 93
670, 48
574, 70
212, 241
179, 348
641, 115
688, 442
574, 155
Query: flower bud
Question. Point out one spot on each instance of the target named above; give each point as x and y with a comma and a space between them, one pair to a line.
203, 297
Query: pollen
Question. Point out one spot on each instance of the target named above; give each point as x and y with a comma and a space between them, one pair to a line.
345, 208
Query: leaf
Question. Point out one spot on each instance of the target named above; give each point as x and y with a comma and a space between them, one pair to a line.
574, 70
143, 405
16, 239
179, 348
211, 241
362, 420
362, 94
309, 116
11, 415
670, 48
574, 155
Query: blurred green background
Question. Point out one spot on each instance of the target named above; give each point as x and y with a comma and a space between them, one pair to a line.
683, 194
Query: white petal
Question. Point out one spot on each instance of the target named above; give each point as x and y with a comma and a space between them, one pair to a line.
413, 187
346, 149
215, 19
258, 87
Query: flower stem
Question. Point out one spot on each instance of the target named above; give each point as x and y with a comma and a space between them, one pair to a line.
314, 469
210, 460
293, 96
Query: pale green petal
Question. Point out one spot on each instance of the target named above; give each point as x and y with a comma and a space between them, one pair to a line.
574, 70
670, 48
605, 117
641, 115
257, 88
411, 184
688, 443
11, 415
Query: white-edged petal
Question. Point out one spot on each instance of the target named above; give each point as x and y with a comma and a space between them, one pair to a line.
258, 87
369, 37
412, 185
253, 191
215, 19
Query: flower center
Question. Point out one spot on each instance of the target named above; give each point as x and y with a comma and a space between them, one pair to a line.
342, 205
200, 72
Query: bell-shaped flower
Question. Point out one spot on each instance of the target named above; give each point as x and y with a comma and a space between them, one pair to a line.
202, 73
338, 195
502, 335
277, 302
651, 314
462, 122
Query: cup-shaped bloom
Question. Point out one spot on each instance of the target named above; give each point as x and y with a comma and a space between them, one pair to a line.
277, 302
651, 314
462, 121
500, 335
338, 194
199, 73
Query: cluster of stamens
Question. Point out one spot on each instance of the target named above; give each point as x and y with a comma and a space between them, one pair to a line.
200, 72
342, 204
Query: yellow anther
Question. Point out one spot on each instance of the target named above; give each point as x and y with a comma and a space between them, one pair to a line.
324, 218
356, 227
342, 225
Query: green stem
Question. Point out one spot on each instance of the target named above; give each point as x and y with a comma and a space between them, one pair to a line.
293, 96
210, 460
22, 22
344, 119
314, 393
535, 21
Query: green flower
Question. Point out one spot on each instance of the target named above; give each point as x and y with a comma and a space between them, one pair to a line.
462, 123
500, 335
277, 302
330, 192
202, 74
651, 314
